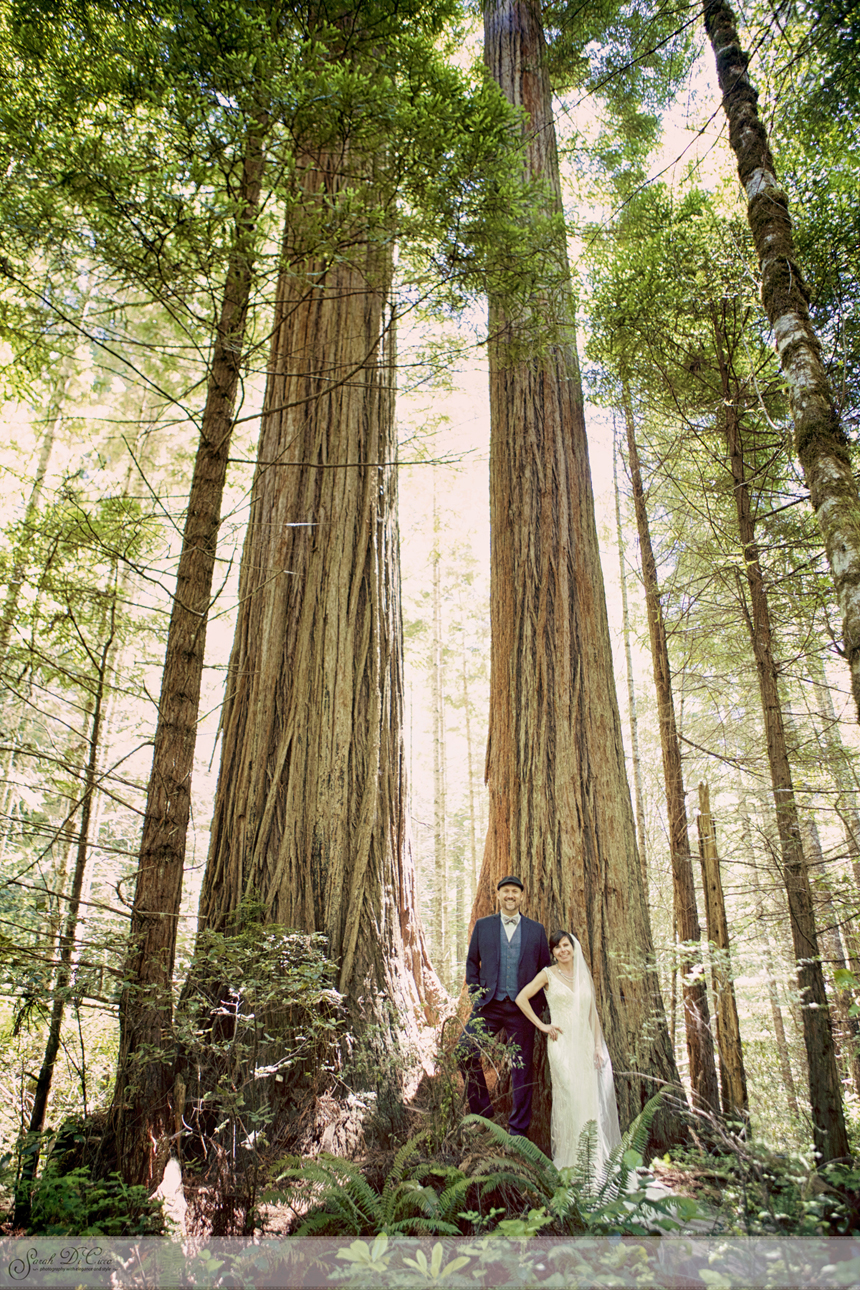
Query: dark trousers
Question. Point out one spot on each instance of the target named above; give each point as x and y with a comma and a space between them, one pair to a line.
499, 1014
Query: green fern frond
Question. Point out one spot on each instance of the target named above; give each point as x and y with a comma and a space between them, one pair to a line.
340, 1196
617, 1172
516, 1145
586, 1155
404, 1155
417, 1226
519, 1179
408, 1194
453, 1197
318, 1224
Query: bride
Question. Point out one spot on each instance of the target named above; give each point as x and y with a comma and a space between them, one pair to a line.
582, 1082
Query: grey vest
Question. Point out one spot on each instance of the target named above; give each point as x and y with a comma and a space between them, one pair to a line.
509, 961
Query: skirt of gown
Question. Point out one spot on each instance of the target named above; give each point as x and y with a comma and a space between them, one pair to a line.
582, 1082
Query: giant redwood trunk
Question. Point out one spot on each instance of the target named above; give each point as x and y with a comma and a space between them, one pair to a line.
560, 812
309, 816
143, 1114
820, 441
697, 1021
825, 1095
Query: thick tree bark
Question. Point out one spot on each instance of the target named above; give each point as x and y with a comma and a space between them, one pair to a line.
631, 684
560, 812
733, 1080
309, 816
142, 1114
820, 441
697, 1021
825, 1094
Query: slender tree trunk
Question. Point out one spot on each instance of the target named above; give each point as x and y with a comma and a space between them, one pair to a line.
142, 1113
442, 896
820, 441
310, 809
46, 447
673, 1013
846, 1030
733, 1080
700, 1040
631, 684
470, 763
69, 934
839, 767
825, 1094
560, 812
783, 1054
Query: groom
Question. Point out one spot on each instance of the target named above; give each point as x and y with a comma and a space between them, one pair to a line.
506, 952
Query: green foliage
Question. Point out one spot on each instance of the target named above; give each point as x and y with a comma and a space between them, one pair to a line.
74, 1204
628, 59
757, 1190
376, 1068
578, 1199
446, 1088
259, 1012
343, 1201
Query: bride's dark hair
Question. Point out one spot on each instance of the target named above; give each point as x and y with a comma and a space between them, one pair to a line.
557, 937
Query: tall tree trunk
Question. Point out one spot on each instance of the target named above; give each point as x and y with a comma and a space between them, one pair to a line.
631, 684
470, 763
733, 1080
442, 897
783, 1054
310, 808
700, 1040
839, 766
846, 1031
820, 441
15, 580
142, 1114
560, 812
68, 938
825, 1094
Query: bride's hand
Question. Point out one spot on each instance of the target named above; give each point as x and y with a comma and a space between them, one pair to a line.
553, 1031
598, 1060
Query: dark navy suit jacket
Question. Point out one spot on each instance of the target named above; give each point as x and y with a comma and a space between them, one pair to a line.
483, 959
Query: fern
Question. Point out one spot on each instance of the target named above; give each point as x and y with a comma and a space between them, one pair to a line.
619, 1166
342, 1201
531, 1173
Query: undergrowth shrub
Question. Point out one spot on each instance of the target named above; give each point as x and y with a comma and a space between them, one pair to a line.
74, 1204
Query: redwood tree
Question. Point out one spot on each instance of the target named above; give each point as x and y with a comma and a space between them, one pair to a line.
310, 812
560, 811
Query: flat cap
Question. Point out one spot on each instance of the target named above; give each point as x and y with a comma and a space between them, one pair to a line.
510, 881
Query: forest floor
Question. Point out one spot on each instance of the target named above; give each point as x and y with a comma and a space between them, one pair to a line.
360, 1165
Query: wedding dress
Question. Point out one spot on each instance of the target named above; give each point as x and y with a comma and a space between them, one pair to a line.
582, 1081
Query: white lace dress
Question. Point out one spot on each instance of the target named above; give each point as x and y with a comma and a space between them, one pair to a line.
582, 1081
